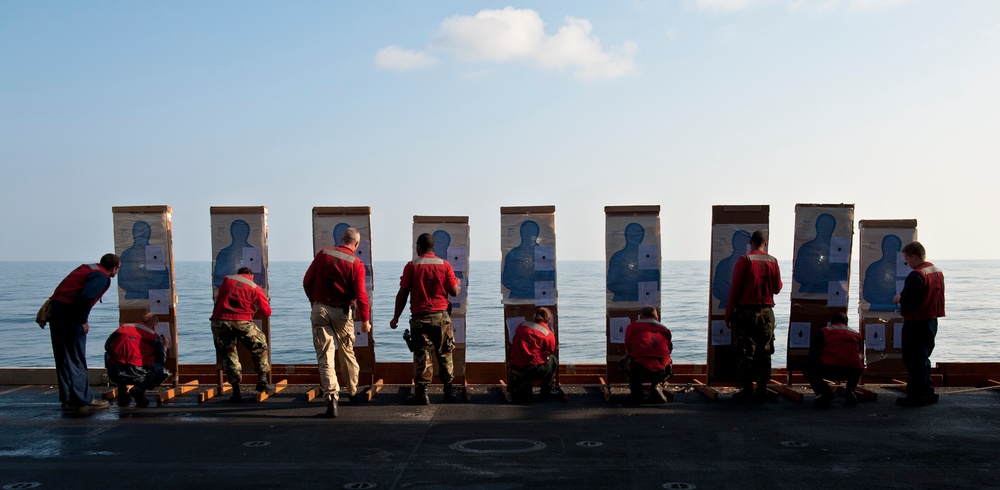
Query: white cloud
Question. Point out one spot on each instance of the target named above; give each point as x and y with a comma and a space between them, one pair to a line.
862, 5
396, 58
509, 35
723, 6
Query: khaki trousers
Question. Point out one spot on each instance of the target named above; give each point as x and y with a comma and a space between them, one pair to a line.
333, 338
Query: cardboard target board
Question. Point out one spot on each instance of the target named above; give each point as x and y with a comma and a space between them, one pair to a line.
821, 272
882, 273
329, 224
451, 242
528, 268
732, 227
143, 240
239, 239
632, 272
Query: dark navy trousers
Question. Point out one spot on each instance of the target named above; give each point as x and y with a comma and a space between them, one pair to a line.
69, 347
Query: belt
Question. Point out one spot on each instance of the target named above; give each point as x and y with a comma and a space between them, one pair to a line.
427, 313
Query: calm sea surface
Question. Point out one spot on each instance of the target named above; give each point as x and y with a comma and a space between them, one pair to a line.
968, 333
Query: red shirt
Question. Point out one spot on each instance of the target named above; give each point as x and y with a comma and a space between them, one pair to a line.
756, 279
336, 278
649, 343
922, 297
841, 347
239, 297
426, 278
532, 345
132, 344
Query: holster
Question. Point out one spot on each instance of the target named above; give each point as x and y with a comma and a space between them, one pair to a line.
410, 344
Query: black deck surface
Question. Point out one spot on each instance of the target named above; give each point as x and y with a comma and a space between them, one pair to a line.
585, 442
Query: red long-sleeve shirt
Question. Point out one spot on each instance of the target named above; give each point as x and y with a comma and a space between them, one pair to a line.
756, 279
238, 298
532, 345
649, 343
336, 278
428, 279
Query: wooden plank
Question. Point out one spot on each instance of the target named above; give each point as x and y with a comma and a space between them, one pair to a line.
375, 388
561, 394
887, 223
503, 391
213, 392
605, 389
313, 393
527, 209
340, 210
630, 210
280, 385
176, 391
785, 390
866, 394
140, 209
441, 219
993, 382
111, 395
237, 210
706, 390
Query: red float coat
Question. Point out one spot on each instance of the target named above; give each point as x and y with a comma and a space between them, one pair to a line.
929, 300
238, 298
426, 278
756, 279
68, 291
532, 345
649, 343
336, 278
132, 344
841, 347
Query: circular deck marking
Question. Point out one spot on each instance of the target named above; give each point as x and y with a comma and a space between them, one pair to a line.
257, 443
590, 443
498, 446
679, 485
21, 484
794, 443
360, 485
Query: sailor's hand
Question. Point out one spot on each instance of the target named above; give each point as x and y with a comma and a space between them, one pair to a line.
394, 323
86, 328
367, 327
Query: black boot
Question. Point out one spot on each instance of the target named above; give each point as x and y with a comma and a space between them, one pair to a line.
264, 385
449, 395
140, 397
331, 408
419, 396
237, 396
123, 397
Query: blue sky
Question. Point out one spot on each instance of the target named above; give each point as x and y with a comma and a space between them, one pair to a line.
459, 108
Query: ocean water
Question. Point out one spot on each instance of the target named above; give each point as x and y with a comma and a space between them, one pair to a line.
968, 333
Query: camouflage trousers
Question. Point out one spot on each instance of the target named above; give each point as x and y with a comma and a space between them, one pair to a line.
753, 342
227, 334
434, 339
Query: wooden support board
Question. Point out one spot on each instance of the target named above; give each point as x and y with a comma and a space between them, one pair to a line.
329, 224
178, 390
732, 227
278, 387
821, 272
213, 392
882, 272
451, 243
239, 239
528, 269
144, 241
632, 264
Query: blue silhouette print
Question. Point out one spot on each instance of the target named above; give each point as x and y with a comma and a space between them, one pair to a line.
134, 277
880, 277
338, 233
442, 240
624, 274
230, 259
723, 280
519, 274
813, 269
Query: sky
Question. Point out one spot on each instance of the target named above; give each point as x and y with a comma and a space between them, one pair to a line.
460, 108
